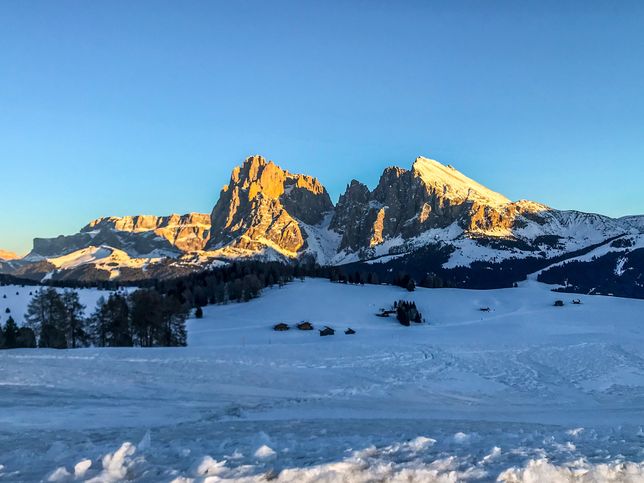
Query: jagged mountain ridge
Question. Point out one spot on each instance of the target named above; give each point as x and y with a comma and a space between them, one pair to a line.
140, 235
267, 212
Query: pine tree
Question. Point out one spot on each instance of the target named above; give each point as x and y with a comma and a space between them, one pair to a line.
199, 313
46, 308
174, 316
120, 327
110, 322
75, 324
52, 337
146, 317
99, 324
25, 339
10, 333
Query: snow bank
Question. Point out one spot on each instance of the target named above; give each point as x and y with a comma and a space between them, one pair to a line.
575, 472
407, 462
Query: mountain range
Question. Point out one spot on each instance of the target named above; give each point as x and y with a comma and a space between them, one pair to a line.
427, 221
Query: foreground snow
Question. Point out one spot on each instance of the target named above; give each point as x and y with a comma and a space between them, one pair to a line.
525, 392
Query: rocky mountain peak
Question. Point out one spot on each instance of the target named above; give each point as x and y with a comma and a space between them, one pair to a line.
263, 205
137, 235
450, 183
406, 203
141, 223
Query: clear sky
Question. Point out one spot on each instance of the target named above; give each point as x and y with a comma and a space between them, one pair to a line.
121, 107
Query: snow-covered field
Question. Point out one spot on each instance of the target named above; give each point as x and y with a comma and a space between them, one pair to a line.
525, 392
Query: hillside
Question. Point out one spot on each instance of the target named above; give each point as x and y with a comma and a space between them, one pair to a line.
524, 392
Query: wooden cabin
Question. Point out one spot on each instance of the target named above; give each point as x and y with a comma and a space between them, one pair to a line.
281, 327
327, 331
349, 331
305, 326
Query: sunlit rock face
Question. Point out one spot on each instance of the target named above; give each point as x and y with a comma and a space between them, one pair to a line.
185, 232
427, 218
7, 255
262, 205
137, 235
406, 203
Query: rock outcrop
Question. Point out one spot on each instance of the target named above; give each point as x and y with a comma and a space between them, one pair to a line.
405, 203
185, 232
430, 217
263, 206
136, 235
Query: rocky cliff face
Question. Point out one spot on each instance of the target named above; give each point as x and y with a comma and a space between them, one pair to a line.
431, 217
406, 203
136, 235
263, 205
184, 232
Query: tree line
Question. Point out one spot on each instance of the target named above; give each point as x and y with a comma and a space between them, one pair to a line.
154, 315
144, 318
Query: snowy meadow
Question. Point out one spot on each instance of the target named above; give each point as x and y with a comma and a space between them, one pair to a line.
523, 392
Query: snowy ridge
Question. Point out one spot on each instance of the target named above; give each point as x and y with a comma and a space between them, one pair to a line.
431, 205
455, 184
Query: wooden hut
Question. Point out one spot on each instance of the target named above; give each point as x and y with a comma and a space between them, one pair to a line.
281, 327
327, 331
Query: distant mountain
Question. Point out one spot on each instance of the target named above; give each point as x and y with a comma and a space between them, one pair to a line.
428, 221
7, 255
141, 235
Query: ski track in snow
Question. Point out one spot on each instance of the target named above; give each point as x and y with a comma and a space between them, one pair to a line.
525, 392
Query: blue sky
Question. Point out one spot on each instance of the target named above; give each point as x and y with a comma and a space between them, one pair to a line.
115, 108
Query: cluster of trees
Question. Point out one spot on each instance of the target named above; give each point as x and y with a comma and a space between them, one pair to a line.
150, 316
406, 312
14, 337
236, 282
57, 319
243, 281
145, 318
355, 277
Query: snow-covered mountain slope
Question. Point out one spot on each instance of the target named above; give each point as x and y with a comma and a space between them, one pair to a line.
136, 235
526, 392
454, 184
268, 213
